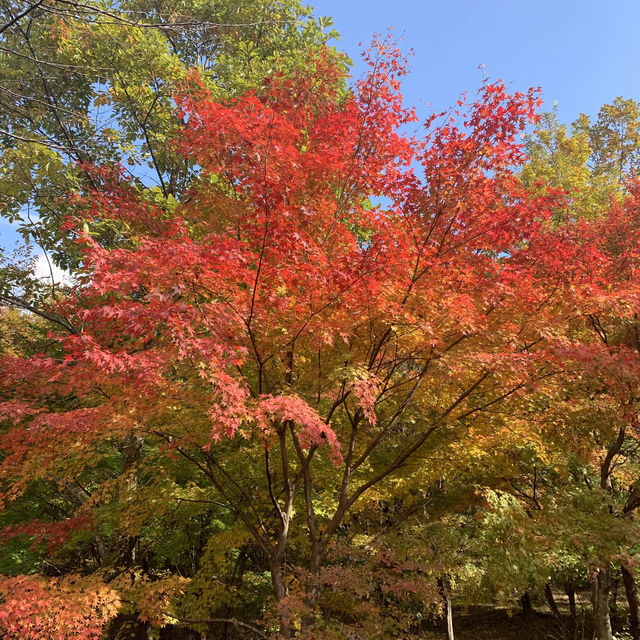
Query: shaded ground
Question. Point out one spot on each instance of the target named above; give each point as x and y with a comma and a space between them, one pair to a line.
484, 623
478, 622
495, 623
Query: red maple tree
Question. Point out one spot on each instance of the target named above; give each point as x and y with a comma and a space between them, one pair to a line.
330, 292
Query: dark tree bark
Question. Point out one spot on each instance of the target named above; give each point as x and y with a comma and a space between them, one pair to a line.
603, 583
631, 590
571, 595
613, 604
525, 601
130, 450
551, 601
280, 590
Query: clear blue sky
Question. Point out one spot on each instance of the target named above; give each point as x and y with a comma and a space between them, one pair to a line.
583, 53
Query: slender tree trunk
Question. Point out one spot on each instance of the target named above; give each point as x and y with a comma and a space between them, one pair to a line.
443, 583
571, 595
131, 449
631, 590
449, 617
601, 617
525, 601
602, 585
280, 590
551, 601
313, 586
613, 604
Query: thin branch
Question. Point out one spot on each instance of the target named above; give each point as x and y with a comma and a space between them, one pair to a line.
191, 24
13, 301
15, 19
51, 145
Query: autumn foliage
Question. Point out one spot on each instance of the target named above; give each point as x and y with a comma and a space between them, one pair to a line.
311, 330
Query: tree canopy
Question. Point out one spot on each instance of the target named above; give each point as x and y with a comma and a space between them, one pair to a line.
313, 375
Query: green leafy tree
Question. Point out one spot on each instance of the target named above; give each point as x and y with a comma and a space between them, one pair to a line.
590, 161
93, 83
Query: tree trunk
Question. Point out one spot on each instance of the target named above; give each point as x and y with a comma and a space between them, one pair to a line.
443, 583
571, 595
449, 617
551, 601
525, 601
613, 604
447, 604
313, 586
130, 450
631, 590
601, 618
280, 590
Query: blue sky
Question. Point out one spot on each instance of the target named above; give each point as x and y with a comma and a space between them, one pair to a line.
583, 53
